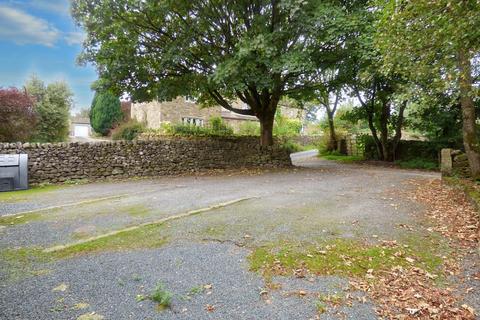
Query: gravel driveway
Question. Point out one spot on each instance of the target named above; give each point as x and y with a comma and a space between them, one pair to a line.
212, 224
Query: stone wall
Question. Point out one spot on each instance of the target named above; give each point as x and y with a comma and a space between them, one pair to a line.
454, 163
65, 161
154, 113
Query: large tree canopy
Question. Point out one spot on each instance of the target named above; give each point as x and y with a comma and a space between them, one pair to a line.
217, 50
437, 42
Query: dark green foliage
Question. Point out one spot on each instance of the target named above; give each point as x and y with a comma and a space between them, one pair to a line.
417, 163
128, 131
105, 112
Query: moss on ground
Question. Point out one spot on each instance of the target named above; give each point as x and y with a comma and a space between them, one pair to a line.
22, 195
151, 236
136, 210
21, 262
343, 257
19, 219
342, 158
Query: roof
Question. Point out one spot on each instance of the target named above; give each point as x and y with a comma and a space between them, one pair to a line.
80, 121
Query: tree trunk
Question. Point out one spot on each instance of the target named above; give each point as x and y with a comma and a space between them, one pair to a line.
470, 139
398, 129
371, 125
266, 127
384, 116
332, 144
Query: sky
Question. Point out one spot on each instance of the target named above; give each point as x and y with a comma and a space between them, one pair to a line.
40, 37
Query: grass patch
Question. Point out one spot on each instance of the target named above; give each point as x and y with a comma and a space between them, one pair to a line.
136, 210
341, 257
417, 163
19, 219
161, 296
334, 156
21, 195
21, 262
151, 236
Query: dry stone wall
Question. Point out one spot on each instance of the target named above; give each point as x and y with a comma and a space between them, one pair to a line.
66, 161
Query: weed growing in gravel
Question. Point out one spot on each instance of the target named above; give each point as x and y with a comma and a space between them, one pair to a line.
161, 296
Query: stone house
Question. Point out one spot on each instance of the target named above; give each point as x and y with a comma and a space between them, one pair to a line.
185, 110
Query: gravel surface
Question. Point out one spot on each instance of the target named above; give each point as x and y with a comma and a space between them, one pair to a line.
321, 200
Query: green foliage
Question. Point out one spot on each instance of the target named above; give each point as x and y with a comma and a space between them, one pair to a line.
249, 128
417, 163
218, 127
285, 127
161, 296
105, 112
336, 156
265, 49
128, 131
53, 104
290, 146
422, 38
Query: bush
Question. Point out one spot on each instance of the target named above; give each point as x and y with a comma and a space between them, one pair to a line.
249, 128
52, 105
418, 163
219, 127
17, 115
215, 128
286, 127
105, 112
290, 146
128, 131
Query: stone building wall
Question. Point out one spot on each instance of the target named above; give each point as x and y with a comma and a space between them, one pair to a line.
65, 161
154, 113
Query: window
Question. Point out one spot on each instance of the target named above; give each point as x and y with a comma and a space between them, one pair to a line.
193, 121
190, 99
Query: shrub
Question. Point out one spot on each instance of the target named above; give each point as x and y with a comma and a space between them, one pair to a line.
286, 127
215, 128
290, 146
249, 128
219, 127
105, 112
17, 115
128, 131
52, 105
418, 163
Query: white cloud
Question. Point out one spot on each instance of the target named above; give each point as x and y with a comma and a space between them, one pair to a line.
23, 28
73, 38
56, 6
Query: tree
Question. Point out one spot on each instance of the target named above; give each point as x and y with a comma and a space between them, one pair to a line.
437, 40
53, 104
381, 94
216, 50
17, 115
105, 112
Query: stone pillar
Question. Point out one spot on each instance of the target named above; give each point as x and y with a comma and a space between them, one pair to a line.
446, 164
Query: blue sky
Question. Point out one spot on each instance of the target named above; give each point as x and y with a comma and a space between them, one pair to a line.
39, 37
